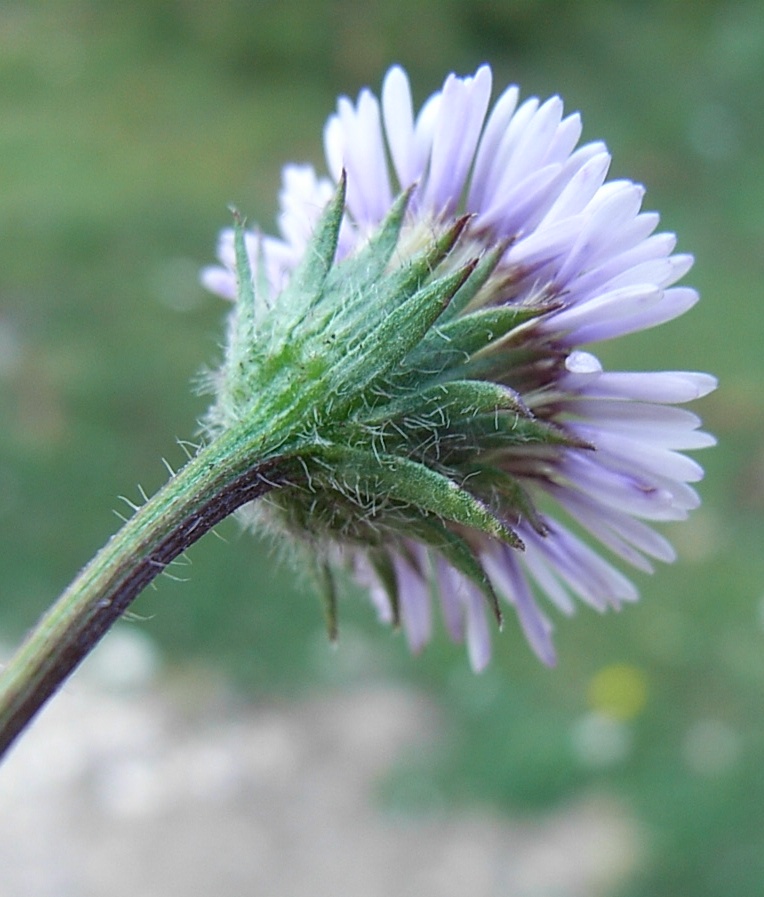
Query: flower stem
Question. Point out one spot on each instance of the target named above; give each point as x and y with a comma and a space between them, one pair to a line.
226, 474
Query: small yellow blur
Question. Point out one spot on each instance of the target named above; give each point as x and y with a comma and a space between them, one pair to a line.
619, 691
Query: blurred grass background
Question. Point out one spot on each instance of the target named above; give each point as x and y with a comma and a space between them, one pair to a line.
125, 129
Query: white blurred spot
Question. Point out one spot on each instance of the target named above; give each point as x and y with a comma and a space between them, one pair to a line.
714, 133
202, 793
10, 349
175, 284
736, 42
711, 747
583, 363
600, 740
129, 787
699, 538
127, 658
9, 494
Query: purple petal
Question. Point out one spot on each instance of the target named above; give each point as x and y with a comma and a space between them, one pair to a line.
302, 198
449, 585
414, 598
595, 581
460, 118
542, 572
219, 281
640, 455
602, 309
359, 148
620, 490
515, 206
507, 578
606, 274
496, 126
531, 149
674, 302
364, 574
614, 206
478, 633
669, 387
398, 116
598, 519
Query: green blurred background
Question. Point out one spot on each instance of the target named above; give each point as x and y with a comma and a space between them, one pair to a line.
125, 129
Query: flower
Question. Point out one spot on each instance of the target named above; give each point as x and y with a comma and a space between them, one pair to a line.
499, 397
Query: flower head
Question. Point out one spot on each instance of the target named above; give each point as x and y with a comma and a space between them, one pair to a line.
477, 445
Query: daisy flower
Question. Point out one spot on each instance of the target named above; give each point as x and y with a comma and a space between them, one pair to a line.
490, 459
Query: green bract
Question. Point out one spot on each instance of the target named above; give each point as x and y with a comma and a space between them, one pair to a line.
365, 383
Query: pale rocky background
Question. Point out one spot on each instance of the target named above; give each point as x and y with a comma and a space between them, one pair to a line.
137, 782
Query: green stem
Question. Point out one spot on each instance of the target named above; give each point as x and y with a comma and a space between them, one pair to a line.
218, 480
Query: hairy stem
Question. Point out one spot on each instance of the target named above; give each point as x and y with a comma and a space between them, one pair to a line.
221, 478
